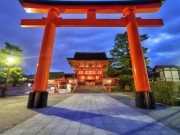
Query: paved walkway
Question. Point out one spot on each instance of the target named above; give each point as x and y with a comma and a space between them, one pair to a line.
91, 114
167, 115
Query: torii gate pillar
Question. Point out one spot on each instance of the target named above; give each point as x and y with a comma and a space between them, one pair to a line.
38, 98
144, 98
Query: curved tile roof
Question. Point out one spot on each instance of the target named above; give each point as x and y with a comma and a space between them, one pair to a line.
91, 1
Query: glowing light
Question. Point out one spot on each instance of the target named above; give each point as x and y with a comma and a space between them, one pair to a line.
10, 60
70, 81
52, 88
29, 85
28, 10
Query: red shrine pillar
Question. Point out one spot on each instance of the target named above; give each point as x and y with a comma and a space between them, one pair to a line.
38, 98
55, 88
144, 97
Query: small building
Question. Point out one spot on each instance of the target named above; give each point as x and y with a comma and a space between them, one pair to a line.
89, 67
166, 73
30, 78
69, 76
55, 77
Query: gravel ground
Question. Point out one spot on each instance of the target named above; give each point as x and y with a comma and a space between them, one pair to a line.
167, 115
13, 109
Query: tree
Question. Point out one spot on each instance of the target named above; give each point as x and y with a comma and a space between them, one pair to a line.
121, 51
10, 51
121, 64
9, 61
15, 74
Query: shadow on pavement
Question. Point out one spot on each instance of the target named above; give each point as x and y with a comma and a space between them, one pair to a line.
119, 124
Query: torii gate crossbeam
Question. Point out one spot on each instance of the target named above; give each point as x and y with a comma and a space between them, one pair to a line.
144, 97
122, 22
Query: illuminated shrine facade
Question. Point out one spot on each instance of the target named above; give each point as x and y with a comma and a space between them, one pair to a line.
89, 67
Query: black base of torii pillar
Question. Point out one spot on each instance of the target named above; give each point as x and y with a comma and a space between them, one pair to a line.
37, 100
145, 100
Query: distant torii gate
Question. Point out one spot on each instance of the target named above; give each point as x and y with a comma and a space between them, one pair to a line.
144, 97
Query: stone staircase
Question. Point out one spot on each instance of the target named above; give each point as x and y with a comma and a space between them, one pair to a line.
90, 89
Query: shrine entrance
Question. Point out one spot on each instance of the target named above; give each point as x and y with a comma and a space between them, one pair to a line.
144, 97
89, 67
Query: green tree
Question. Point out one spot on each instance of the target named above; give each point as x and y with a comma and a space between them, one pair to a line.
10, 59
15, 74
121, 65
121, 51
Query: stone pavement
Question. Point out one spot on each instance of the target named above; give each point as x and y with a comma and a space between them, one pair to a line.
91, 114
167, 115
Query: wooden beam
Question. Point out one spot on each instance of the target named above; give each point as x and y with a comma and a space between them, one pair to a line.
91, 23
122, 22
149, 22
33, 23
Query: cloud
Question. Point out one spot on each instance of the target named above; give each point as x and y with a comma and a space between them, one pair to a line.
166, 59
164, 49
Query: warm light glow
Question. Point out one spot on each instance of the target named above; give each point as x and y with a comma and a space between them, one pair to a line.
52, 88
28, 10
70, 81
29, 84
10, 60
109, 81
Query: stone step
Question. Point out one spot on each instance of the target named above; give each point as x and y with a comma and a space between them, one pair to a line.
90, 89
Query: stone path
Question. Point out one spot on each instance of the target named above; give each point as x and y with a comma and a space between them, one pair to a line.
91, 114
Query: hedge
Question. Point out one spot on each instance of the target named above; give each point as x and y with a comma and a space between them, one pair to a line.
165, 92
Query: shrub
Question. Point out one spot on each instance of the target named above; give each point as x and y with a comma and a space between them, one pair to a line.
125, 82
164, 92
115, 89
177, 102
118, 89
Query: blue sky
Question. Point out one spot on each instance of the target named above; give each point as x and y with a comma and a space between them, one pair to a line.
163, 44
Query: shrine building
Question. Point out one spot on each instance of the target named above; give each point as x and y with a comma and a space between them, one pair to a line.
89, 67
166, 73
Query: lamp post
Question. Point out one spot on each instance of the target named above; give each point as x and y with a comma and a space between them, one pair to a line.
69, 85
4, 92
109, 81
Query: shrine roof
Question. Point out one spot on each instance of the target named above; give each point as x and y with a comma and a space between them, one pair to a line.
90, 1
56, 75
89, 56
69, 75
81, 6
166, 66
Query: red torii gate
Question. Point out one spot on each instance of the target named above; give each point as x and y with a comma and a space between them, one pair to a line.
144, 97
